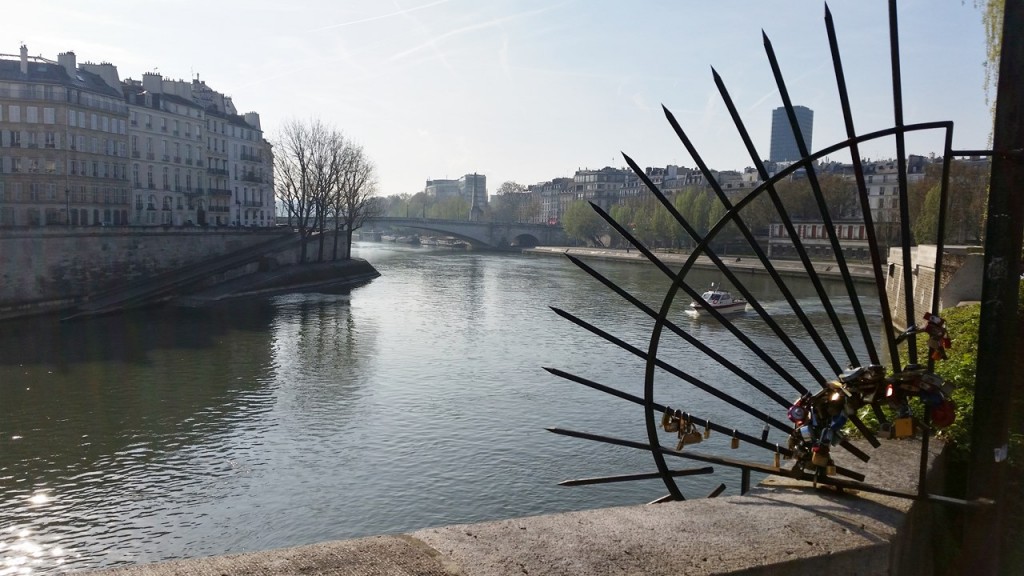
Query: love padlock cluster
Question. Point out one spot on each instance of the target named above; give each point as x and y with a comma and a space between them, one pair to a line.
818, 419
681, 423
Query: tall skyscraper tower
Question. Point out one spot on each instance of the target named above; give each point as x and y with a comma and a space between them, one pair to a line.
783, 146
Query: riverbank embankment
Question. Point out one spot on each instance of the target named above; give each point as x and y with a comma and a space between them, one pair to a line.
859, 272
782, 526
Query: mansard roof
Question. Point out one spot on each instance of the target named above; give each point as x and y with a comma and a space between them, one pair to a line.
52, 73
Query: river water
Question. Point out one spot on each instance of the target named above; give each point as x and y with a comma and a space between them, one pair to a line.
416, 400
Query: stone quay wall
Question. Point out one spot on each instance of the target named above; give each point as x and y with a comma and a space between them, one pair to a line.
45, 269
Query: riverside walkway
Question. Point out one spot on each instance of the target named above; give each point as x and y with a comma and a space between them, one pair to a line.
860, 272
780, 527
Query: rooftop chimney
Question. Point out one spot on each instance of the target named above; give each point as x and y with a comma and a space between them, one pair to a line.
24, 59
152, 82
68, 62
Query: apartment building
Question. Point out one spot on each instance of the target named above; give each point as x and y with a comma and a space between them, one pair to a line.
63, 143
198, 160
79, 147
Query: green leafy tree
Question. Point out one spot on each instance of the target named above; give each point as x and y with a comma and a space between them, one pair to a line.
965, 214
581, 222
454, 208
624, 215
699, 210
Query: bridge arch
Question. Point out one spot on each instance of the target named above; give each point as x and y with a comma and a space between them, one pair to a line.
480, 234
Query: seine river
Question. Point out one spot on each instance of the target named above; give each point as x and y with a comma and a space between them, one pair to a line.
416, 400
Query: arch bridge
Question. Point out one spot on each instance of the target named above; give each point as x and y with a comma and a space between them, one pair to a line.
479, 234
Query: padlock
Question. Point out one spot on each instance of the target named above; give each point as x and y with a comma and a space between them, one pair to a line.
819, 457
707, 429
830, 470
666, 416
689, 435
670, 422
903, 427
735, 442
764, 433
778, 457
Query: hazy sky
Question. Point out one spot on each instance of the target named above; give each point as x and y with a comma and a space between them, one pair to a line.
530, 90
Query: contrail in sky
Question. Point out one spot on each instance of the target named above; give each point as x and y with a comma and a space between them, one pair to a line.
380, 17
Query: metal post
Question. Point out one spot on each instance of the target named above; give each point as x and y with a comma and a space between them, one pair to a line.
996, 382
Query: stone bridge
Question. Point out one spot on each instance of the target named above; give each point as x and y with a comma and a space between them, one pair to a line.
478, 234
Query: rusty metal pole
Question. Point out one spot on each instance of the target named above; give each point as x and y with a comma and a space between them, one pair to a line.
996, 382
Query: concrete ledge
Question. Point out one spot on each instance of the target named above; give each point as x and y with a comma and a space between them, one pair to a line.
781, 527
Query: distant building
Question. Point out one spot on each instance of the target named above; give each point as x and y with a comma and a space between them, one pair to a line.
783, 143
79, 147
471, 187
63, 143
196, 160
442, 189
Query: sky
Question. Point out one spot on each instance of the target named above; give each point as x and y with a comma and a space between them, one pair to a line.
531, 90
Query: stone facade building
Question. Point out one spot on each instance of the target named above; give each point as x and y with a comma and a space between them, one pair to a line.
80, 147
63, 143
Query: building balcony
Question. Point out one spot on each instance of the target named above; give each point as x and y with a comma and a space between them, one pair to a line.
251, 177
217, 171
150, 156
136, 154
220, 192
251, 203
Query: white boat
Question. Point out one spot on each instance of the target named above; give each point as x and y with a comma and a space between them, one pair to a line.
720, 300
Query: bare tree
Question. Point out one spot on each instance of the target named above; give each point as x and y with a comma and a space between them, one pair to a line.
352, 201
302, 179
324, 178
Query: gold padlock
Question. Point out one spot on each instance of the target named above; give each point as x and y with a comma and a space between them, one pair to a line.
670, 421
830, 470
735, 443
778, 457
904, 427
819, 459
707, 429
689, 435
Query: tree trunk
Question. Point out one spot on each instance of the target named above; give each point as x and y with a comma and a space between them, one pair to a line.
334, 256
